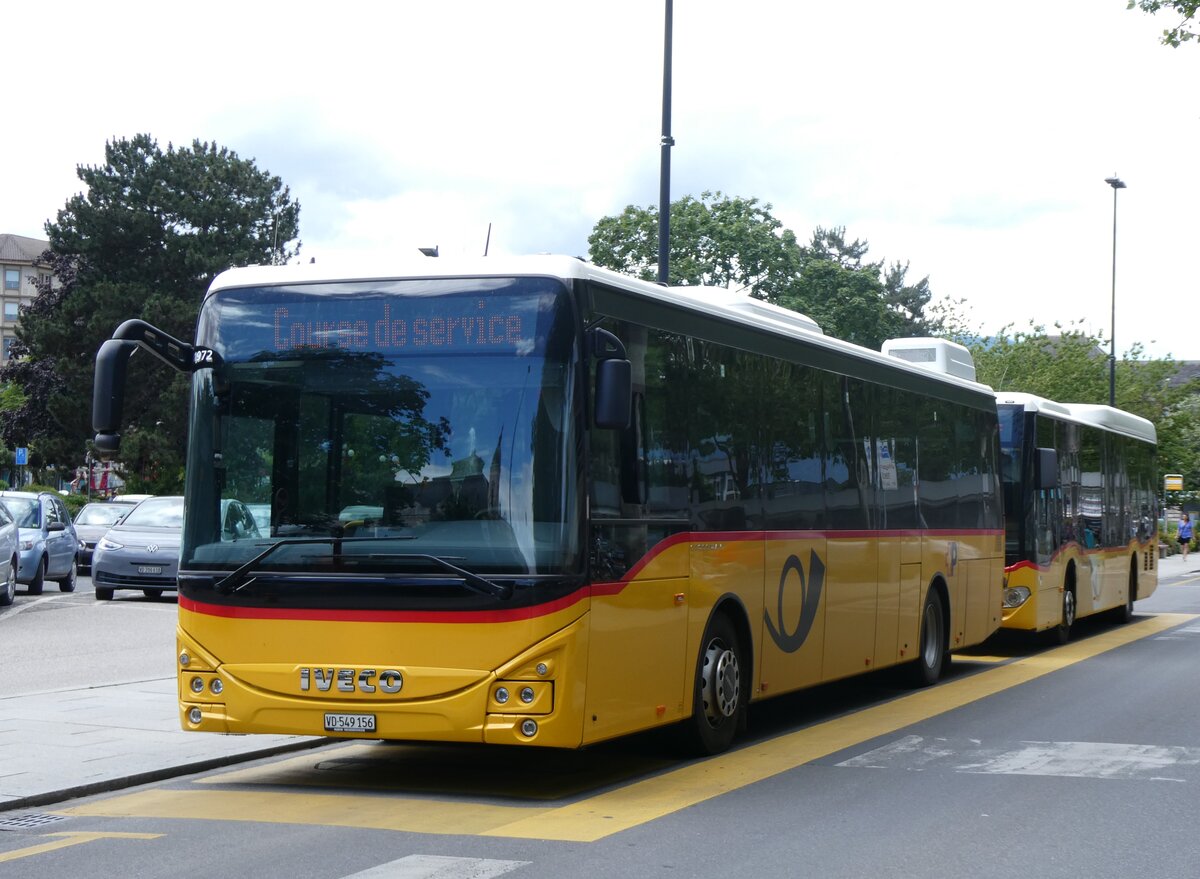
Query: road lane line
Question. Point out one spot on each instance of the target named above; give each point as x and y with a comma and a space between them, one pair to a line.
633, 804
439, 867
1103, 760
71, 839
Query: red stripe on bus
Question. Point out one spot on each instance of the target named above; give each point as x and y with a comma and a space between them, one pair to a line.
529, 612
1073, 544
385, 616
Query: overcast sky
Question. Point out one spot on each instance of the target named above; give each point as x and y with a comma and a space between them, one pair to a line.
970, 140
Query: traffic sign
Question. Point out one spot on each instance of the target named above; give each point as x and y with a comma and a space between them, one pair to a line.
22, 456
1171, 481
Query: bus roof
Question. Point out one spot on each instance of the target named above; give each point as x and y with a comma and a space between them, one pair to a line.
728, 305
1104, 417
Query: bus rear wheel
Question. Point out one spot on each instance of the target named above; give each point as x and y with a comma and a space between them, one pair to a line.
719, 700
931, 655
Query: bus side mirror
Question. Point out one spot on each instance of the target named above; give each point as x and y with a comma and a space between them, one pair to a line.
112, 362
108, 395
1047, 468
614, 381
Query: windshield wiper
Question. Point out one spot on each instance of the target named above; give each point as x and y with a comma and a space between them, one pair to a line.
242, 577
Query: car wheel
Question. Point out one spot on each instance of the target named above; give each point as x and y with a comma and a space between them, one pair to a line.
104, 593
39, 579
8, 592
67, 583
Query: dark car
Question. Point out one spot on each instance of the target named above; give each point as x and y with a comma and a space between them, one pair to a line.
141, 551
91, 523
47, 539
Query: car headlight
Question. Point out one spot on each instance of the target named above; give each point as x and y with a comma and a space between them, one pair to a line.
26, 545
109, 545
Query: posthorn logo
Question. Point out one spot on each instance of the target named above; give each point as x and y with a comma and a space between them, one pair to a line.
810, 600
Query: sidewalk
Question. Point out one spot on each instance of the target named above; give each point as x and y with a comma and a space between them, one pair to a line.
69, 743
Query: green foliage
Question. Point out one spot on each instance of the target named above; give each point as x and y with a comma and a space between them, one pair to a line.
737, 243
1185, 9
1179, 442
144, 240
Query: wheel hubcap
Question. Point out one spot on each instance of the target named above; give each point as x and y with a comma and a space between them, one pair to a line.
722, 682
1068, 608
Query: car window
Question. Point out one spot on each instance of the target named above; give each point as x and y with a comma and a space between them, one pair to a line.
5, 515
100, 514
159, 512
27, 511
52, 512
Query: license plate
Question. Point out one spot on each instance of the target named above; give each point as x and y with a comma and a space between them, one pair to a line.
350, 723
149, 569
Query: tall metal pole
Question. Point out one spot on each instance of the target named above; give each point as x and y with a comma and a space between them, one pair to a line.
664, 177
1116, 183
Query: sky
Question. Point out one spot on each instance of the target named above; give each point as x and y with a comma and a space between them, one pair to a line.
968, 140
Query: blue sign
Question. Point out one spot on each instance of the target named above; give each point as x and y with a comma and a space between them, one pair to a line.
22, 456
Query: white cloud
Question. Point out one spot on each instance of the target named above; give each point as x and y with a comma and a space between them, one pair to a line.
971, 141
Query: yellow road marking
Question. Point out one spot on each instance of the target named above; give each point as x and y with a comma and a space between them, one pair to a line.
409, 814
633, 804
70, 840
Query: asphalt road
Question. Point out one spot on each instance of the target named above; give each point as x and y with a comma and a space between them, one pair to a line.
1028, 762
59, 639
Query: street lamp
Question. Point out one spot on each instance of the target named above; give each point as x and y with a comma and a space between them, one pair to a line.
1116, 183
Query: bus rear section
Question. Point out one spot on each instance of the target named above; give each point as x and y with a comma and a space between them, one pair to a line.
1081, 529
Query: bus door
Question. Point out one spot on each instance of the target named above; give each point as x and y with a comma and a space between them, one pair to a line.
899, 548
853, 539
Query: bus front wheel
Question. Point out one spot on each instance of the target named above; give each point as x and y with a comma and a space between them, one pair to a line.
719, 701
1062, 632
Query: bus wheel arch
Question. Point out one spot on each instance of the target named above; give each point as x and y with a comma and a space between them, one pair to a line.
722, 681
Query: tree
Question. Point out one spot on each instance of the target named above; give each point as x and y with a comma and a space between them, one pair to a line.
1185, 9
715, 241
144, 240
1072, 366
737, 243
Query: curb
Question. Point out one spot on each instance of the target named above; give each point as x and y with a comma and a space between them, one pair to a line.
112, 784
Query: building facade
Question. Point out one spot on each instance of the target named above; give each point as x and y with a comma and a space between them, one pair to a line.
20, 267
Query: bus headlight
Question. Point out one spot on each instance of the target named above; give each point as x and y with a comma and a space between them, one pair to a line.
1015, 596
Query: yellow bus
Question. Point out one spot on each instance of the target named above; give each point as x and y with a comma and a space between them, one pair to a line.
529, 501
1081, 514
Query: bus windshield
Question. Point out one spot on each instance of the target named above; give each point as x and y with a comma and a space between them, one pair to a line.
386, 428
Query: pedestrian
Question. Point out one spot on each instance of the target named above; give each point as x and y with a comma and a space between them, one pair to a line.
1185, 535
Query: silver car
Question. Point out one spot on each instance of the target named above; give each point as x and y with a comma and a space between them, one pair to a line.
47, 540
9, 540
141, 551
91, 523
